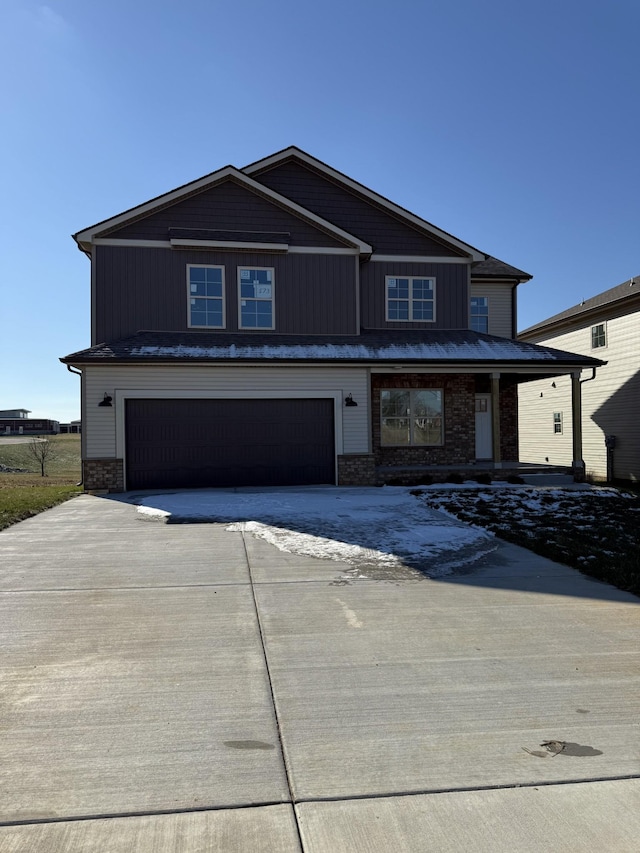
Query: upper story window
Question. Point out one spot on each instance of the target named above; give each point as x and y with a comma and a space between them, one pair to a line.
411, 298
255, 292
557, 423
411, 417
206, 296
598, 336
479, 314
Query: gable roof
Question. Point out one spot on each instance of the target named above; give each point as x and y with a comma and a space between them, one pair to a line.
292, 152
85, 237
615, 296
494, 268
441, 348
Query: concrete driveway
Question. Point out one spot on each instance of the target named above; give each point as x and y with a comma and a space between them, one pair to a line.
187, 688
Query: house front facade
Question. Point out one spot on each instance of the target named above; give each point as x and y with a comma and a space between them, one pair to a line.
282, 324
606, 326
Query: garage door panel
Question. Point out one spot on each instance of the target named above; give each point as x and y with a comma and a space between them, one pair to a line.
189, 443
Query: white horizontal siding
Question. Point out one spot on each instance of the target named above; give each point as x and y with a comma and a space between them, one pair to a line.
500, 298
610, 403
102, 424
538, 442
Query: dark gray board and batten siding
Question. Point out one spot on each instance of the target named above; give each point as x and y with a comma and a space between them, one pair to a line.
227, 206
451, 294
144, 288
351, 212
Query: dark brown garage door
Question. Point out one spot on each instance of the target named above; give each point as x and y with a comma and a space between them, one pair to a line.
187, 443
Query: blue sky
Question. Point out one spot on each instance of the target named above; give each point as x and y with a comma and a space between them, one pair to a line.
513, 126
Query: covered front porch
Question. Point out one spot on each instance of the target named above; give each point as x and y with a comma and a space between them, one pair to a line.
479, 433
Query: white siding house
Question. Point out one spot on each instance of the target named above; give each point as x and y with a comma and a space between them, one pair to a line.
606, 327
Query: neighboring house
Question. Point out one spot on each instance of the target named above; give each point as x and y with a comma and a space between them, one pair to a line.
606, 326
282, 324
71, 427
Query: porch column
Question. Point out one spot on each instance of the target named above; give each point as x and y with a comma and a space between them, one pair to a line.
576, 413
495, 419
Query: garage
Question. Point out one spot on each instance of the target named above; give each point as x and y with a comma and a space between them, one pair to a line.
176, 443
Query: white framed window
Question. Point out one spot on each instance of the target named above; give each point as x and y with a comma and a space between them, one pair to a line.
479, 314
205, 297
411, 417
557, 423
410, 298
256, 298
599, 336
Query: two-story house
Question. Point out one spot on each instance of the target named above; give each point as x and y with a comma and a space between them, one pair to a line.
283, 324
606, 326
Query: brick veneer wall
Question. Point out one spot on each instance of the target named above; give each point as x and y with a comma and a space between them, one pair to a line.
508, 419
103, 474
357, 469
459, 419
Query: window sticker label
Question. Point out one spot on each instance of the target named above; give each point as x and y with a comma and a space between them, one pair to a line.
194, 288
263, 291
245, 275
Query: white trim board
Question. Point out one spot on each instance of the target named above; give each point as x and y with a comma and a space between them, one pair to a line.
224, 244
418, 259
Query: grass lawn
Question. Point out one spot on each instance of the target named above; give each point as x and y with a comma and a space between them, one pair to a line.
596, 531
26, 493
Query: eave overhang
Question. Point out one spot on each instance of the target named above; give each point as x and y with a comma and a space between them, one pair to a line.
461, 350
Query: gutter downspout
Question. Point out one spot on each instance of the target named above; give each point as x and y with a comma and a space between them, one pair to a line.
79, 373
579, 468
514, 311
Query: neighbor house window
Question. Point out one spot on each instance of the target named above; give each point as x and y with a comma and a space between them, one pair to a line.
557, 423
255, 286
411, 417
598, 336
410, 298
205, 287
480, 314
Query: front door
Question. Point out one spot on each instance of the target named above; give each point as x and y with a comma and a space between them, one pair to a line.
484, 438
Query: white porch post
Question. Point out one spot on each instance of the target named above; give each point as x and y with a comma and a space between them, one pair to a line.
576, 412
495, 419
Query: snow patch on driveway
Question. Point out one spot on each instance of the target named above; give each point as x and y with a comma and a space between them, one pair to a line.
365, 527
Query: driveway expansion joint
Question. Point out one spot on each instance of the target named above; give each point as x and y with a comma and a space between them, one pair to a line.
271, 690
466, 789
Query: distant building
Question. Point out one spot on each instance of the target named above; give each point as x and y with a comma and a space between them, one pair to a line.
16, 414
71, 427
18, 422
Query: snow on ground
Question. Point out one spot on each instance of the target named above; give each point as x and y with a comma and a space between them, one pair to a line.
366, 527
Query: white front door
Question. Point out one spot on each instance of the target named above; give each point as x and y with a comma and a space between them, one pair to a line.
484, 437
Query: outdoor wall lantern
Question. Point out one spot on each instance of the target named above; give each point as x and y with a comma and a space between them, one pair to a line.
349, 401
106, 401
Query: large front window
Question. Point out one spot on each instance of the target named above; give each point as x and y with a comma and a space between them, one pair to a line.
206, 297
255, 287
411, 417
410, 298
